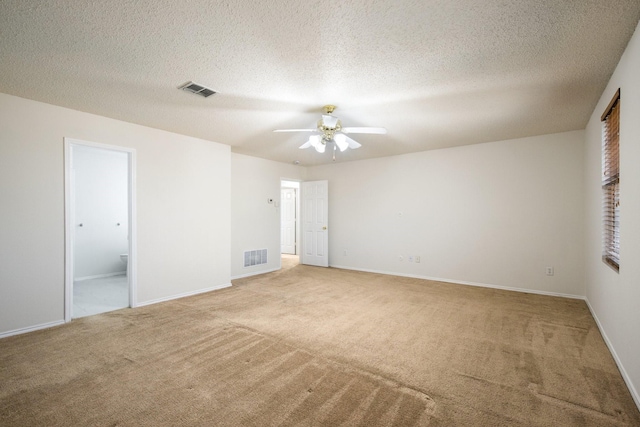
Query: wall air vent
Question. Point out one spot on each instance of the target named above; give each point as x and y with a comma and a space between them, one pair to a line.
197, 89
256, 257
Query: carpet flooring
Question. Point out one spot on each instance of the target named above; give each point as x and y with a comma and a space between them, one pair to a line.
309, 346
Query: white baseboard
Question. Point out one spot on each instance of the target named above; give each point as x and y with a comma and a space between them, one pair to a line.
461, 282
623, 372
255, 273
183, 295
100, 276
31, 328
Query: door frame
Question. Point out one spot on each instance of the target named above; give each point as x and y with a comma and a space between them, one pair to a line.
69, 221
298, 212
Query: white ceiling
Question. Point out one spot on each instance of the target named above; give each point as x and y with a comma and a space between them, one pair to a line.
434, 73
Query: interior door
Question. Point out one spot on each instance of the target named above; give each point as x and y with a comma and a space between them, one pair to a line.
315, 223
288, 221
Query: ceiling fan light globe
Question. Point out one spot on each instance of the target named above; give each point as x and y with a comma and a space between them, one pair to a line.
315, 140
329, 121
341, 141
320, 148
352, 143
311, 142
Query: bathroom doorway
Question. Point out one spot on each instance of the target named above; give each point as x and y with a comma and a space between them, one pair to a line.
99, 228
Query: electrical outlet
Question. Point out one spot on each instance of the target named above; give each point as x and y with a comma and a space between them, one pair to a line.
417, 258
344, 252
410, 258
549, 271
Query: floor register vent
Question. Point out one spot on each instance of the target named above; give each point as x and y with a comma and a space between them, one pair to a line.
256, 257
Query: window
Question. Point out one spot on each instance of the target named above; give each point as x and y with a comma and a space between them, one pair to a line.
611, 183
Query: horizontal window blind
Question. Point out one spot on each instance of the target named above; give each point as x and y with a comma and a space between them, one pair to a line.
611, 225
611, 183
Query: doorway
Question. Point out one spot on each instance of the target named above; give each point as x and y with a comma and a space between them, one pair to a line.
99, 228
289, 227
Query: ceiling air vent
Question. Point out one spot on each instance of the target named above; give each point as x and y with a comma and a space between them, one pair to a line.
197, 89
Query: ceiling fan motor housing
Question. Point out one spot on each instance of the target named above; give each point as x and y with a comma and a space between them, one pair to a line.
328, 131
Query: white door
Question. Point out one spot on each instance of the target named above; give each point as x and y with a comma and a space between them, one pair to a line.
288, 221
315, 223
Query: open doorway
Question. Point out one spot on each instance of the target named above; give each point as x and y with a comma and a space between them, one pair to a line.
289, 225
99, 237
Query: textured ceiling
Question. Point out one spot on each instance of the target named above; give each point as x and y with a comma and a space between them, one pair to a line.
434, 73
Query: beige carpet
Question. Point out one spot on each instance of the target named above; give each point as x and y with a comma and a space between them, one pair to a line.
312, 346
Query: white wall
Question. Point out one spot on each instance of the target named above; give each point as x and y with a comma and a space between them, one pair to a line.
494, 214
100, 181
255, 224
615, 297
183, 199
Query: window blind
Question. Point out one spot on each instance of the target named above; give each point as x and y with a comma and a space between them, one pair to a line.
611, 183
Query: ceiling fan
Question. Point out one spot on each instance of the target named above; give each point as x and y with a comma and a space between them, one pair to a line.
330, 131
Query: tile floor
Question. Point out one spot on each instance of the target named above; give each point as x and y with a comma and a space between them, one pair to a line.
96, 296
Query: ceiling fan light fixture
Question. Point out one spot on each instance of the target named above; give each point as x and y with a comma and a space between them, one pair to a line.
329, 130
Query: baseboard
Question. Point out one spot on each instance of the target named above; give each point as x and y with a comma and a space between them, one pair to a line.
623, 372
183, 295
100, 276
460, 282
31, 329
255, 273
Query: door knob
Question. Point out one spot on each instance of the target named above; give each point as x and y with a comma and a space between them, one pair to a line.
324, 228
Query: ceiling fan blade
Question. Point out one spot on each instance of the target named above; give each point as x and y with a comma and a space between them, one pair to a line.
329, 121
352, 143
377, 131
295, 130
